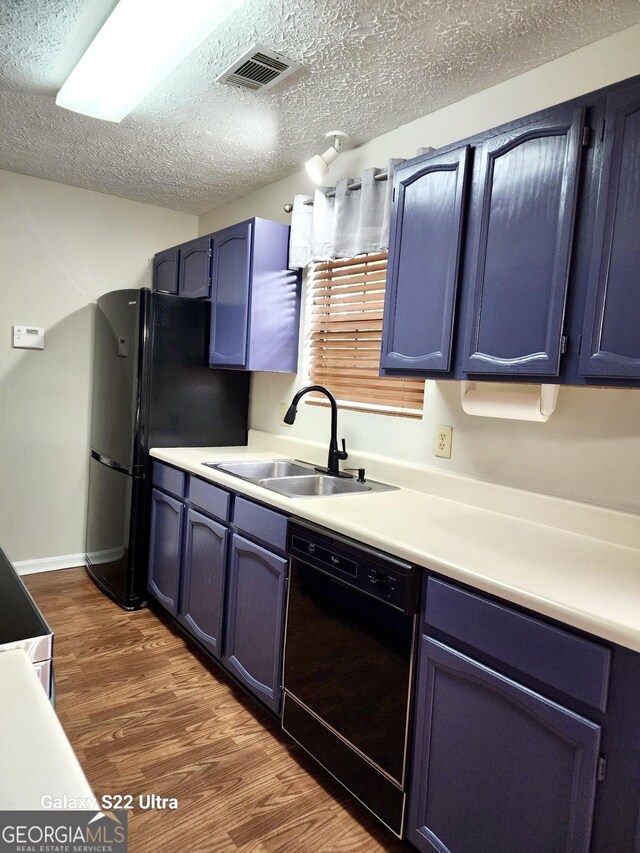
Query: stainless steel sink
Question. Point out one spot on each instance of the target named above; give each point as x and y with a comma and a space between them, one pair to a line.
317, 486
262, 469
296, 479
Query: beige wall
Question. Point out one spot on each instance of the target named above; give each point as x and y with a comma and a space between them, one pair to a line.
590, 448
60, 248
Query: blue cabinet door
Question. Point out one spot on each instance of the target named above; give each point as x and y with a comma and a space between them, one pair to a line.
424, 259
525, 185
611, 336
203, 576
255, 606
231, 277
195, 269
165, 549
497, 768
165, 271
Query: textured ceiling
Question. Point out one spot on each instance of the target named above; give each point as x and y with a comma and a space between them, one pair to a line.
193, 144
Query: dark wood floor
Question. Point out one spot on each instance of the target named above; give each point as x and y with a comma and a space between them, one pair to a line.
148, 714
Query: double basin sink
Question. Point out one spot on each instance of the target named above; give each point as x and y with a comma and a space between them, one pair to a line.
297, 479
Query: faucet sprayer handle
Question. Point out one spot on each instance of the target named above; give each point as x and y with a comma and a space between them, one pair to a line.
342, 454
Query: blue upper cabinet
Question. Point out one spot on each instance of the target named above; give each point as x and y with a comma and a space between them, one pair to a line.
165, 271
231, 273
524, 195
194, 280
184, 270
255, 299
424, 261
530, 273
611, 335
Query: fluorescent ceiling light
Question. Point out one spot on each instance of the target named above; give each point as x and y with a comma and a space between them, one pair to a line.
139, 44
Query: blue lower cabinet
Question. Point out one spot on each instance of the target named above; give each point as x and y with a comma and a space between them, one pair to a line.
203, 579
226, 591
165, 548
255, 608
497, 768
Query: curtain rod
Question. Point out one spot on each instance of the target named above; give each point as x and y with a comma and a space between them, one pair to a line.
356, 185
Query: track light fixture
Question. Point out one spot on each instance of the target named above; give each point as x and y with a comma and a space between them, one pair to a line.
318, 166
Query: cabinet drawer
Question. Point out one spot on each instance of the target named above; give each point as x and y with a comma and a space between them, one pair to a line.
209, 498
261, 523
577, 667
169, 479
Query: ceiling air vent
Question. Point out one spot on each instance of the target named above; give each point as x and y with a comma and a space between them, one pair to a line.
258, 68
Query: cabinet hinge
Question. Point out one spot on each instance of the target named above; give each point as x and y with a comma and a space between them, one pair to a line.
393, 195
210, 252
564, 342
602, 768
586, 136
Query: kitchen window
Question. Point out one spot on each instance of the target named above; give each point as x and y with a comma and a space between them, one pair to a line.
345, 302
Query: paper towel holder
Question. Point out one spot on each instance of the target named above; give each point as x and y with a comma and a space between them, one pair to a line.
536, 403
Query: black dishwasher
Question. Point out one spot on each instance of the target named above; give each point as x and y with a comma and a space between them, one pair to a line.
350, 635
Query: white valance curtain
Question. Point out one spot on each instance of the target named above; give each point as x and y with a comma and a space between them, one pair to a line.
343, 221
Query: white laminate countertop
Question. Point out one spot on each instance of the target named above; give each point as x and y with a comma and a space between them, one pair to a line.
36, 759
591, 582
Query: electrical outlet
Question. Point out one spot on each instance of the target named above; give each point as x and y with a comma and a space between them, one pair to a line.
443, 441
283, 411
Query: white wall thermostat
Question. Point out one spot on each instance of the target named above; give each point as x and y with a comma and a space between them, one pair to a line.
28, 337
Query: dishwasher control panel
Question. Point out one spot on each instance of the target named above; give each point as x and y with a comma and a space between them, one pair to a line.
380, 575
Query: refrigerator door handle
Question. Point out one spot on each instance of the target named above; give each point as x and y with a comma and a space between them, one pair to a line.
111, 463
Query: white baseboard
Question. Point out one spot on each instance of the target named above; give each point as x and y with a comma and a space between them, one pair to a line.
49, 564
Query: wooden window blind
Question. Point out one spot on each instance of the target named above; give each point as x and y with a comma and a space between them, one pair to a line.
345, 301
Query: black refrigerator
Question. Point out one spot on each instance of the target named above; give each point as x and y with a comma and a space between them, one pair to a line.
152, 387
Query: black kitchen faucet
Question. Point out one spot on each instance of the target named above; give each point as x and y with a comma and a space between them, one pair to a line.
335, 455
